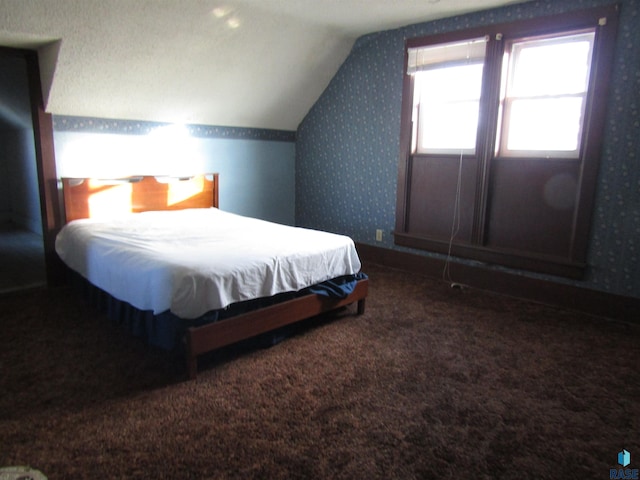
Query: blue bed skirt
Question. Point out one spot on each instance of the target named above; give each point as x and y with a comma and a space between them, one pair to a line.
166, 330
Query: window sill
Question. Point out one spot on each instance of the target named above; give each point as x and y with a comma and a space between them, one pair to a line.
547, 264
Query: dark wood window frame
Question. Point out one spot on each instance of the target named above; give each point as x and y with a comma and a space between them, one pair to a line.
493, 230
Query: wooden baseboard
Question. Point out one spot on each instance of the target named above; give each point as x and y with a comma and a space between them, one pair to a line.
586, 300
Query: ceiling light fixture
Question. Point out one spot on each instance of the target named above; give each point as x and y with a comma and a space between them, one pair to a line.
221, 12
233, 22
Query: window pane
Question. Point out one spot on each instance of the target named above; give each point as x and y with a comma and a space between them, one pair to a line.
545, 67
544, 90
449, 126
449, 103
450, 84
545, 124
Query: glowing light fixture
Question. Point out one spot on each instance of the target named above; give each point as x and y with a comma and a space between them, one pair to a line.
233, 22
221, 12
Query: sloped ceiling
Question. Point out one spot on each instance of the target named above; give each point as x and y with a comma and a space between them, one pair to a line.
246, 63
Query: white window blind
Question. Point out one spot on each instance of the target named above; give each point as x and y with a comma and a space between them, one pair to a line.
427, 57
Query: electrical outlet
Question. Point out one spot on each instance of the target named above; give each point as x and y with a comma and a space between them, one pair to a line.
378, 235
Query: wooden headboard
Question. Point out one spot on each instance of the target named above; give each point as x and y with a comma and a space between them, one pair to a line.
91, 198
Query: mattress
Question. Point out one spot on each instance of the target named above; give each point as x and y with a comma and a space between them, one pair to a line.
193, 261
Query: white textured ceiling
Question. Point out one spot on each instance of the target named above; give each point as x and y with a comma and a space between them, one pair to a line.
247, 63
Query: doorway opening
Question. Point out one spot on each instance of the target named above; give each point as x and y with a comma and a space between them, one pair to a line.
29, 218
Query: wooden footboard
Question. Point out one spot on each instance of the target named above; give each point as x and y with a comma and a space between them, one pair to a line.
226, 332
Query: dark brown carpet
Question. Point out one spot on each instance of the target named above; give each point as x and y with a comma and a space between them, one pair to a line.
432, 382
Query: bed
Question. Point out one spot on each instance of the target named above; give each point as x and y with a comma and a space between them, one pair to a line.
200, 278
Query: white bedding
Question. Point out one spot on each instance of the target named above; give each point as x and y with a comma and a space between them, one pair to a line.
196, 260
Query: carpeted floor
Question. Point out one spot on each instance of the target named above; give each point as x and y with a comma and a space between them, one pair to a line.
431, 382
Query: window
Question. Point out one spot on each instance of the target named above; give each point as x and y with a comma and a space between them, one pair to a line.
500, 143
544, 87
448, 82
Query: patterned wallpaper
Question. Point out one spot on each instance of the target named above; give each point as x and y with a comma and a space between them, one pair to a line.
347, 146
64, 123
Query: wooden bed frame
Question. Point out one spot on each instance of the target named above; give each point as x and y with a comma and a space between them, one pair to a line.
144, 193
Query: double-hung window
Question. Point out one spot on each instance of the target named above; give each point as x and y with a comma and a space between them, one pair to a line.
545, 86
448, 83
501, 137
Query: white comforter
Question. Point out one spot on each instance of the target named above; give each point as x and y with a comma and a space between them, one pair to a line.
196, 260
